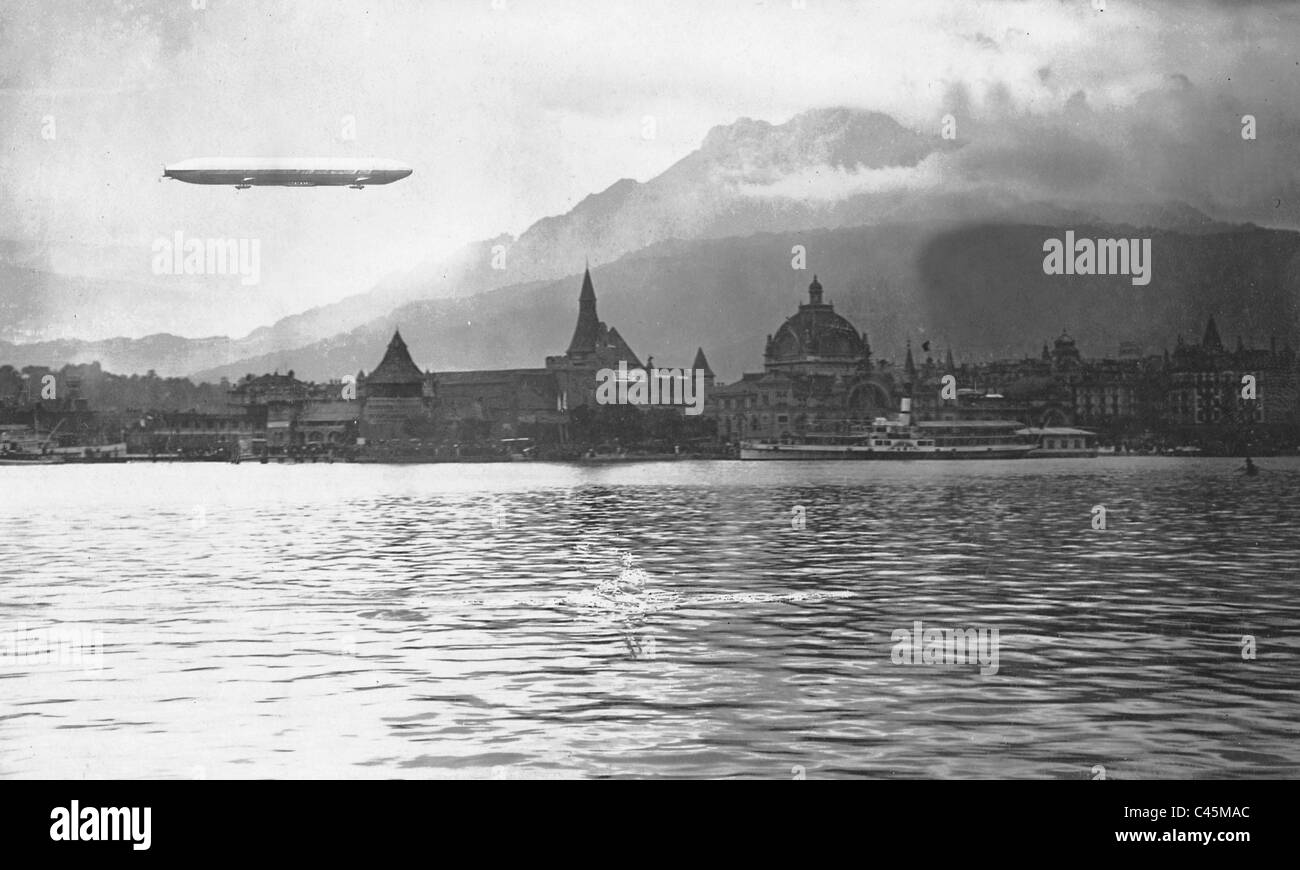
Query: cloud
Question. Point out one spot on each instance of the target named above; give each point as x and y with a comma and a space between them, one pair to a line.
1175, 142
830, 183
513, 114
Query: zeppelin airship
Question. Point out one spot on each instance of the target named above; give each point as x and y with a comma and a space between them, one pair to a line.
245, 172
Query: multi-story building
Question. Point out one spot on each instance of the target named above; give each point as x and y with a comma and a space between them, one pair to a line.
194, 433
289, 416
1210, 387
817, 376
594, 346
398, 401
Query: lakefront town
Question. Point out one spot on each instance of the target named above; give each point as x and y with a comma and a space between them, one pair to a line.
821, 388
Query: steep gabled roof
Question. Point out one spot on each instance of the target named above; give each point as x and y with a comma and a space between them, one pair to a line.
701, 363
620, 349
396, 367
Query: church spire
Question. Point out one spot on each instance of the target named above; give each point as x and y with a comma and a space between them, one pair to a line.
909, 365
1211, 340
587, 330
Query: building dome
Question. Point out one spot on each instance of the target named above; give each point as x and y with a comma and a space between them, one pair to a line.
1065, 352
816, 336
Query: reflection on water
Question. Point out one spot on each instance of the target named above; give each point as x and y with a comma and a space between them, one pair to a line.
470, 621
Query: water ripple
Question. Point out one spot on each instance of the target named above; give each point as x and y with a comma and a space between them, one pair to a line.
468, 621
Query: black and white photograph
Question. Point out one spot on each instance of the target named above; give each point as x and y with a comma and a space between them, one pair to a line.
650, 390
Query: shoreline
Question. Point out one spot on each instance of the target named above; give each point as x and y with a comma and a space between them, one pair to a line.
599, 460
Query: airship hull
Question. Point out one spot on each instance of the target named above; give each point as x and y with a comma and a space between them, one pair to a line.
286, 172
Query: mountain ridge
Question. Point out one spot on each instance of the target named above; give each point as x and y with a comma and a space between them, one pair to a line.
824, 168
977, 288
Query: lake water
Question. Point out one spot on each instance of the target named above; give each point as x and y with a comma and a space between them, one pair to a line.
209, 620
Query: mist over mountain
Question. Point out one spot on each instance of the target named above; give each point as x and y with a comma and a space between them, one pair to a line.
979, 289
823, 170
716, 191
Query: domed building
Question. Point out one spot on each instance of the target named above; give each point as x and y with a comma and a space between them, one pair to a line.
817, 376
817, 341
1065, 355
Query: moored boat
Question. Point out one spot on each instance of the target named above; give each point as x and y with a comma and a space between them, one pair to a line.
900, 438
14, 458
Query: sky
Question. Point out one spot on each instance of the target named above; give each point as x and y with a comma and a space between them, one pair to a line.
511, 110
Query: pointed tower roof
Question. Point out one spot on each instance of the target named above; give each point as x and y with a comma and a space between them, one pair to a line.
1211, 339
909, 365
947, 361
587, 331
621, 349
702, 363
396, 367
